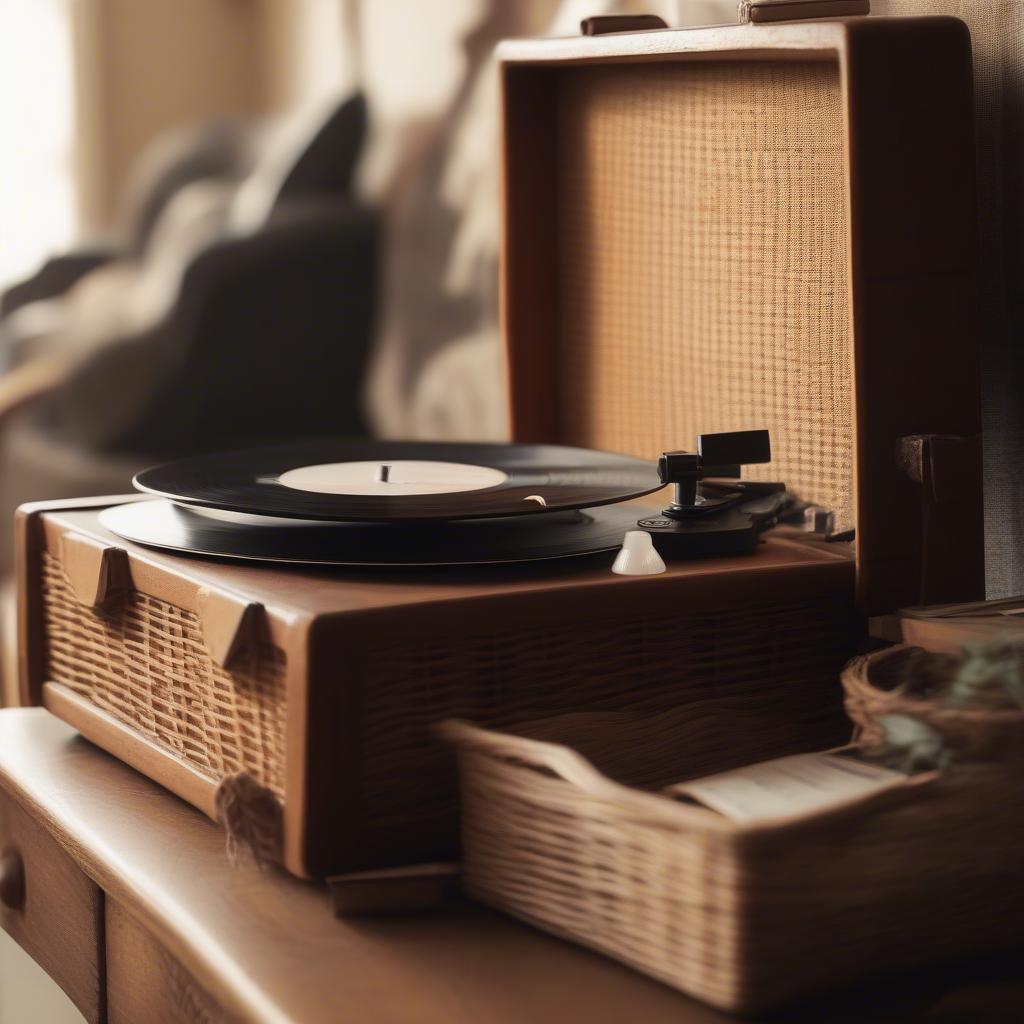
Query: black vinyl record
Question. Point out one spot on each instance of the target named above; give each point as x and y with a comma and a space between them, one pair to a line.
173, 527
385, 481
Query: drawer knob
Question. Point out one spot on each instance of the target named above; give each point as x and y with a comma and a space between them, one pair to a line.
12, 879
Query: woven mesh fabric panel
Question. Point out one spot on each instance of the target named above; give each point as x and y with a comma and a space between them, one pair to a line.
703, 264
756, 662
144, 662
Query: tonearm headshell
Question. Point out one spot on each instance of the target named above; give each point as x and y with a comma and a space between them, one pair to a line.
713, 512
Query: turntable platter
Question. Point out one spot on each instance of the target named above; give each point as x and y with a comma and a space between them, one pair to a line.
163, 524
388, 481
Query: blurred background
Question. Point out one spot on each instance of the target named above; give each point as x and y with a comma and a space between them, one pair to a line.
232, 221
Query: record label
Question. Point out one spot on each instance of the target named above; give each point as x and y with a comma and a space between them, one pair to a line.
391, 479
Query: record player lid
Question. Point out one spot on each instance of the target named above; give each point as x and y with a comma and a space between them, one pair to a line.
750, 226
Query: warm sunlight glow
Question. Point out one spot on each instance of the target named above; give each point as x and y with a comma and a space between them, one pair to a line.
37, 206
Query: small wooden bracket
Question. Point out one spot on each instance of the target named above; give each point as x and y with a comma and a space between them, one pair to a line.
393, 890
231, 625
98, 572
886, 627
761, 12
603, 24
944, 464
948, 468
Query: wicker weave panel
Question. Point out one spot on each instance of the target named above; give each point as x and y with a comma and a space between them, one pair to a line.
703, 264
650, 675
745, 917
746, 924
145, 663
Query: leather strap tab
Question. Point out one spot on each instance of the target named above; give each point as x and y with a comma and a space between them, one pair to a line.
760, 12
231, 625
98, 572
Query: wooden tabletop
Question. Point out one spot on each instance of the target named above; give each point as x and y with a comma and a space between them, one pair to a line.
267, 947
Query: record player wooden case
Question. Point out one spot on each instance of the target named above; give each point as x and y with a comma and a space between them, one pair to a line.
750, 226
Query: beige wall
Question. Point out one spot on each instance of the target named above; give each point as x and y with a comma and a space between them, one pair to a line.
307, 49
144, 66
27, 995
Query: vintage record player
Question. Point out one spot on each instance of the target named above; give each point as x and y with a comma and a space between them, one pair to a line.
704, 235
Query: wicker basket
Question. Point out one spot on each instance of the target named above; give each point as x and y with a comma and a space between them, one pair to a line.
744, 916
873, 692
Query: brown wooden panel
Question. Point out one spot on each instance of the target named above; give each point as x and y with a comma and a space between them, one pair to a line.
529, 295
914, 253
51, 908
146, 983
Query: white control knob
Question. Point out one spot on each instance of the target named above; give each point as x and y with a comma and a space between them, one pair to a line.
638, 556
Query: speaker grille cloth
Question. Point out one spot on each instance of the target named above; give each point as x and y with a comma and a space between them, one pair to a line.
703, 264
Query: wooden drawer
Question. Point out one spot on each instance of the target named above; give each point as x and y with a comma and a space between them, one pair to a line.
51, 909
147, 983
